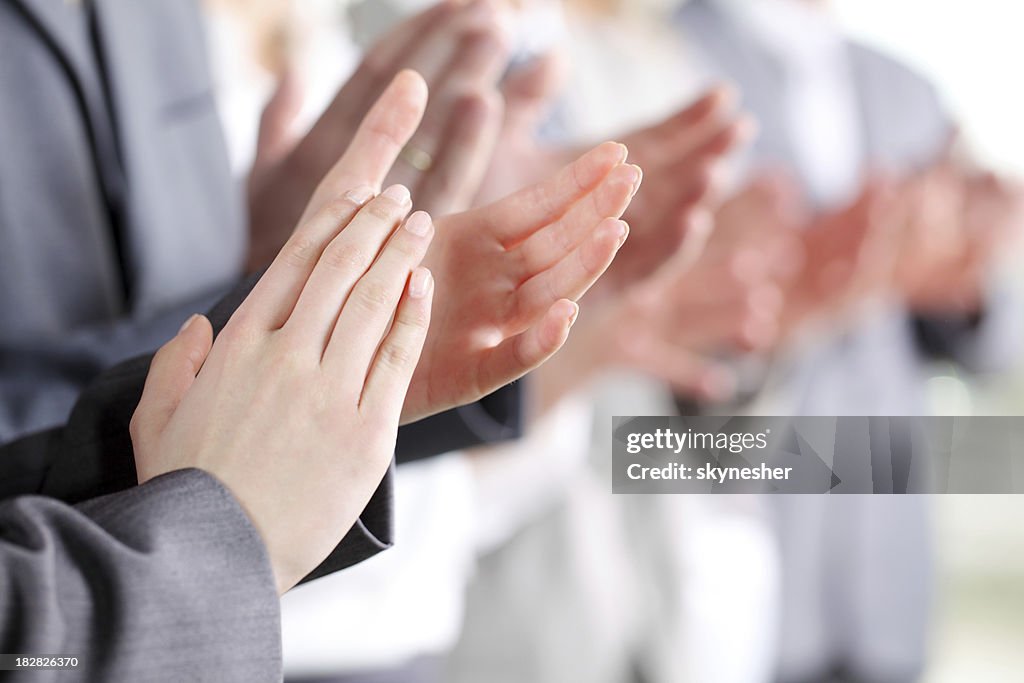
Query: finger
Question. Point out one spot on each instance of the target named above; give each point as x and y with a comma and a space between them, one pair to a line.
476, 34
696, 227
276, 138
687, 373
172, 372
664, 214
370, 308
608, 200
530, 88
519, 215
514, 357
347, 258
386, 129
474, 68
427, 44
272, 300
388, 55
393, 367
465, 155
575, 273
748, 323
336, 127
711, 149
682, 131
716, 99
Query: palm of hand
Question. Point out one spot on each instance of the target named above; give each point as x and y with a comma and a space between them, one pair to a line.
507, 276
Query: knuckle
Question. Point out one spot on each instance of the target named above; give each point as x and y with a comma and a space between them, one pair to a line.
383, 209
385, 130
301, 250
344, 255
395, 356
238, 333
561, 239
338, 210
135, 426
487, 38
243, 321
373, 296
416, 318
407, 248
576, 179
289, 356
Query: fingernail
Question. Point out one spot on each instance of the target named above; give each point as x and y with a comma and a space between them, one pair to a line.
360, 195
419, 223
575, 313
638, 177
623, 232
623, 152
398, 194
420, 283
188, 323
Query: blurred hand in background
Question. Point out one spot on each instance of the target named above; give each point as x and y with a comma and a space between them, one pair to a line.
958, 223
461, 52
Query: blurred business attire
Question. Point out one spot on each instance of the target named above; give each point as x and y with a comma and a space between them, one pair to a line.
857, 570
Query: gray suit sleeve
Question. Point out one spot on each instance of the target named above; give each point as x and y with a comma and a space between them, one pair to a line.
41, 380
165, 581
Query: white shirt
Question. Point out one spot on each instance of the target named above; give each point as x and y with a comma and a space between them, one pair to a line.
821, 105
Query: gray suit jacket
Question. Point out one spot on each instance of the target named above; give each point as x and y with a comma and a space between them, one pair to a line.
118, 213
166, 582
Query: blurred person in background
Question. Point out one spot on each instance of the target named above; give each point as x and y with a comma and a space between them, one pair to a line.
863, 140
836, 259
578, 585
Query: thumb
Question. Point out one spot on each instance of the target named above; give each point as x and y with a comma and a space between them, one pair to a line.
171, 373
276, 137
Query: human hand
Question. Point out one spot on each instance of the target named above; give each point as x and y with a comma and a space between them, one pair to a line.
681, 157
956, 226
295, 408
461, 51
936, 266
508, 275
674, 325
849, 258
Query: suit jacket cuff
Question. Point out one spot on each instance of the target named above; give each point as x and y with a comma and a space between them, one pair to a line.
494, 418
